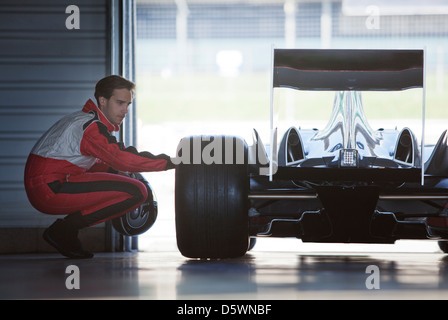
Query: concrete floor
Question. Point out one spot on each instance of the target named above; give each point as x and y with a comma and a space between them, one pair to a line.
339, 272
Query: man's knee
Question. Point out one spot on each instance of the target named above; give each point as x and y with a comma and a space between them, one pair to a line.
142, 192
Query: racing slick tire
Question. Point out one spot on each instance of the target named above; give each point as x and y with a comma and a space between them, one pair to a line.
212, 201
141, 219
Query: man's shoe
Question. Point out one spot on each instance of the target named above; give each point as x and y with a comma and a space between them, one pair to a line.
62, 236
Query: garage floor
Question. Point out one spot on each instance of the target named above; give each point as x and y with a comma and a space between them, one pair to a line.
307, 272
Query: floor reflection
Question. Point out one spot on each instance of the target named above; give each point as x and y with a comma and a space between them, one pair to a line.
289, 276
259, 275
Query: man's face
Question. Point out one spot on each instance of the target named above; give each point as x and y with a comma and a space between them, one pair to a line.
116, 107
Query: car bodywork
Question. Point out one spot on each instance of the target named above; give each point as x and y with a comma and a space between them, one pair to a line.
348, 182
344, 183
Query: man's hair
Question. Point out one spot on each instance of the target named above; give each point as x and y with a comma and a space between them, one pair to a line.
106, 86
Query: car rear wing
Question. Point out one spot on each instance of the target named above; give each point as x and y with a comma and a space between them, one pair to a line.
342, 70
346, 70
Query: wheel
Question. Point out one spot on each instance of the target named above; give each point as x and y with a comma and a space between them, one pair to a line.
443, 245
141, 219
212, 202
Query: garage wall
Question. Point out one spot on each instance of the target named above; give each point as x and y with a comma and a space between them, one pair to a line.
46, 72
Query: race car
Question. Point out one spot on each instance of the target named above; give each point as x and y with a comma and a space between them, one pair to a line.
345, 183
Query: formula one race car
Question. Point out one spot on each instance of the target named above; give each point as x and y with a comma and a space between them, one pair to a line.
346, 183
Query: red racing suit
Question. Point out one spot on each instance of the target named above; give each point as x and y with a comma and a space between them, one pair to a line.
74, 165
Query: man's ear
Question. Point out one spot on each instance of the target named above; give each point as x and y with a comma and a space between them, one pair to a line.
102, 102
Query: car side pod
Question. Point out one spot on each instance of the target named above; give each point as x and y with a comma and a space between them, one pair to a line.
211, 192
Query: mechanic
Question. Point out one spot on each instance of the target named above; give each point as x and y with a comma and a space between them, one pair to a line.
78, 169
